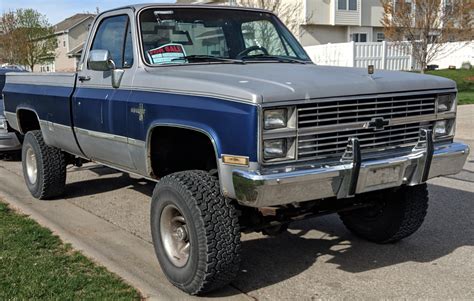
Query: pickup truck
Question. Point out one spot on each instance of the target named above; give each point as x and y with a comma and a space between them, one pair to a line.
241, 132
10, 141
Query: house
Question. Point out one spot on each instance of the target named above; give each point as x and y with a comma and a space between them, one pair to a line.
71, 34
332, 21
338, 21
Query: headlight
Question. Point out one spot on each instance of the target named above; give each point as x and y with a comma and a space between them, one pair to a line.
275, 119
273, 149
3, 123
446, 102
444, 128
279, 149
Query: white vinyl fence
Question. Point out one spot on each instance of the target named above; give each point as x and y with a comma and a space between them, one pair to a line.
387, 55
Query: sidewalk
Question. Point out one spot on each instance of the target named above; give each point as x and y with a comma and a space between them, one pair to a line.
465, 123
125, 254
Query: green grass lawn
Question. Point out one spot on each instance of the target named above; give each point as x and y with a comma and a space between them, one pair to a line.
464, 80
35, 264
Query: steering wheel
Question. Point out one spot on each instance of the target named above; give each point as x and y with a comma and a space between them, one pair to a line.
246, 51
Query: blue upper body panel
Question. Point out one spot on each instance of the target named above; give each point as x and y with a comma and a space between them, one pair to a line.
232, 125
51, 103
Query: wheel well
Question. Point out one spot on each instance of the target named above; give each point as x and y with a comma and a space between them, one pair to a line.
27, 121
176, 149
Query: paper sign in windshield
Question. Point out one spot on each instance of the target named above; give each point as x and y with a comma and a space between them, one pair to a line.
169, 53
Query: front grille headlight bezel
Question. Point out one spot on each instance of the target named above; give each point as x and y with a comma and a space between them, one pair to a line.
280, 149
279, 118
283, 132
444, 129
446, 103
275, 119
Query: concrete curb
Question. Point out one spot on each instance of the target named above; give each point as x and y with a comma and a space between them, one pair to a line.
122, 253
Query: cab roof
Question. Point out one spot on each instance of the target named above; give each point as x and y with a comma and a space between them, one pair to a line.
137, 7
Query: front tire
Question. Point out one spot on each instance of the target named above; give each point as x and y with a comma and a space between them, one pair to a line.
195, 232
396, 214
44, 167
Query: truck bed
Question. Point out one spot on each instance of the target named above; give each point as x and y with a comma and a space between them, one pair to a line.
53, 91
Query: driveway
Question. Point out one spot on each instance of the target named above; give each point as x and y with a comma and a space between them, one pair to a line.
318, 258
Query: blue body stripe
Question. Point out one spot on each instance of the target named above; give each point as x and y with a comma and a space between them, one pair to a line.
55, 106
232, 125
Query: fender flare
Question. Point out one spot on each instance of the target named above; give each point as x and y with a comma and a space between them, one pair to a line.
208, 132
25, 108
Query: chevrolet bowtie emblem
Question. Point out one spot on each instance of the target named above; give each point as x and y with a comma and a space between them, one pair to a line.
377, 124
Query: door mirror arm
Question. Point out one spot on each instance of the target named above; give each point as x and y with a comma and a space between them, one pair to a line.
117, 75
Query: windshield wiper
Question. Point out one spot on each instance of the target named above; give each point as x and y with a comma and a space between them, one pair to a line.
281, 59
208, 58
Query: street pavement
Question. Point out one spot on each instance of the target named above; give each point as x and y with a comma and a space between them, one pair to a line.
105, 214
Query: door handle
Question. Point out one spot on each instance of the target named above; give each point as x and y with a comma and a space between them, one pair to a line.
83, 78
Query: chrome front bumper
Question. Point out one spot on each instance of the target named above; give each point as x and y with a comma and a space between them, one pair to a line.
352, 175
9, 142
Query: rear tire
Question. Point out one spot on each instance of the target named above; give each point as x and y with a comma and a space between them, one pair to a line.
396, 215
195, 232
44, 167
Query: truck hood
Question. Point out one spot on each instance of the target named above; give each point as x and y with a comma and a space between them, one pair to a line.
276, 82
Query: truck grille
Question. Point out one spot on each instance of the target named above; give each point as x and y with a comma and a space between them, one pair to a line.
333, 144
357, 110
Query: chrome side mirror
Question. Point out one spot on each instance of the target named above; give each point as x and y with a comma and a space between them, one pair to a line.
100, 60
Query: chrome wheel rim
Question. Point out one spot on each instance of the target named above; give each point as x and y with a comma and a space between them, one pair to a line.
31, 165
175, 235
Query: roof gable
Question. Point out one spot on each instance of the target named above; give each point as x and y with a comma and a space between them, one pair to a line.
71, 22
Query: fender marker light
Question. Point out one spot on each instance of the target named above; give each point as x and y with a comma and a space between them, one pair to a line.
235, 160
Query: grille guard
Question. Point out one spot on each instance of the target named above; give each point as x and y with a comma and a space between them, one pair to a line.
350, 176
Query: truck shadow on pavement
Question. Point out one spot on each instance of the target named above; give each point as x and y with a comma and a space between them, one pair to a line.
108, 180
267, 261
313, 243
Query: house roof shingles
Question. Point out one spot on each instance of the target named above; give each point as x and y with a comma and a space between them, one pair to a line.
70, 22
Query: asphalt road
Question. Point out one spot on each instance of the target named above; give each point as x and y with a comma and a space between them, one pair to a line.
318, 258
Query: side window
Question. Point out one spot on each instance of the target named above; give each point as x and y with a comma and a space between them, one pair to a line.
114, 35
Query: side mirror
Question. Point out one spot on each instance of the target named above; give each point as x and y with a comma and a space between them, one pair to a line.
100, 60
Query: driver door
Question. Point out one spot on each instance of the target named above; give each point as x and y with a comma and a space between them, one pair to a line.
99, 110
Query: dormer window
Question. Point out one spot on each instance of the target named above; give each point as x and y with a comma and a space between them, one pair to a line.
347, 4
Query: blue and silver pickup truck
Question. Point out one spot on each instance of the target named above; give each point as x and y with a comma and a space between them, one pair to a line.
222, 107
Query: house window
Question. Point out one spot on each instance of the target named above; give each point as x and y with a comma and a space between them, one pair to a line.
64, 43
347, 4
359, 37
406, 5
380, 37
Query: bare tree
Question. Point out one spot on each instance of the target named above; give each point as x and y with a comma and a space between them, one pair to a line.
28, 39
290, 12
428, 25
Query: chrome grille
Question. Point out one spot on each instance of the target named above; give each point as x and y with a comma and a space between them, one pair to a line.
358, 110
333, 144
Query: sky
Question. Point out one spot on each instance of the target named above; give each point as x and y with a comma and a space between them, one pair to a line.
58, 10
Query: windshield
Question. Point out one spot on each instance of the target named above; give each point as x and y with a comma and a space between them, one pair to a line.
193, 35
